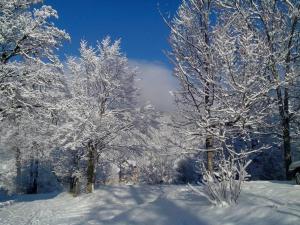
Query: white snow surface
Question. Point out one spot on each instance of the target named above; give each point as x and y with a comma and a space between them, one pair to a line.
261, 203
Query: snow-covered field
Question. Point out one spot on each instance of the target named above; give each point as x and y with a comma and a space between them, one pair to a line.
261, 202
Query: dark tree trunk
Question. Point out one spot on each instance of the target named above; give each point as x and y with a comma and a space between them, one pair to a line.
286, 115
283, 101
75, 177
120, 173
75, 186
91, 168
285, 125
19, 171
210, 154
287, 146
33, 185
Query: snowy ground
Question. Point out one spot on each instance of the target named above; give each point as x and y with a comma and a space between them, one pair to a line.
261, 202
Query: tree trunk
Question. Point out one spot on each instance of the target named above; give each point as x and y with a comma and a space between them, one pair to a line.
120, 172
210, 154
287, 146
91, 169
33, 185
286, 115
75, 186
19, 171
75, 176
209, 91
285, 125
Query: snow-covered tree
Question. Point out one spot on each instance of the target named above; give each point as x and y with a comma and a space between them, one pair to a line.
277, 23
29, 78
225, 97
28, 121
28, 32
99, 111
191, 39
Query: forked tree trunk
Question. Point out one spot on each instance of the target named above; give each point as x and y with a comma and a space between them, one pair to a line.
284, 101
286, 115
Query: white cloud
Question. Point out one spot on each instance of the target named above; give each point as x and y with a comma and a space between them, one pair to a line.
156, 83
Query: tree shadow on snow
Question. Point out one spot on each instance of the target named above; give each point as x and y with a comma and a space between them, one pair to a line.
142, 210
268, 202
30, 197
287, 182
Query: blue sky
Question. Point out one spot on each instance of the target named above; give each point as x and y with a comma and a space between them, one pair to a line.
142, 30
137, 22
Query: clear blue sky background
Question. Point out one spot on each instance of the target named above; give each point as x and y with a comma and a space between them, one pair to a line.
137, 22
